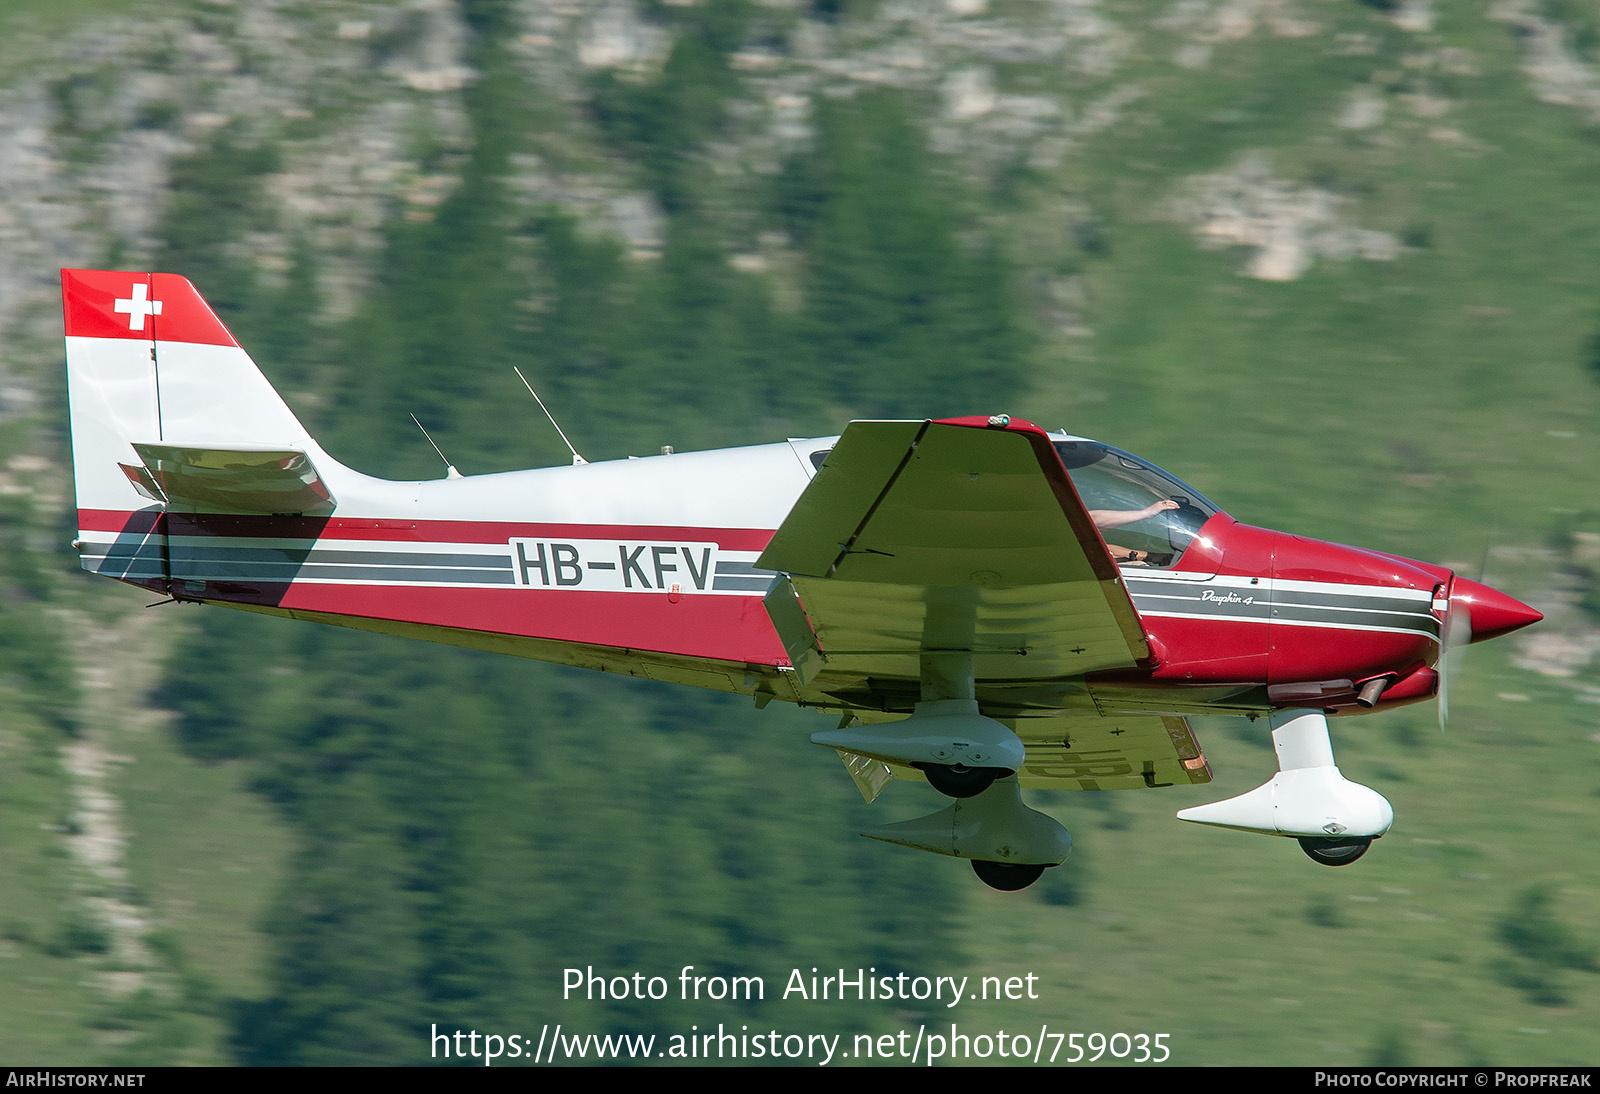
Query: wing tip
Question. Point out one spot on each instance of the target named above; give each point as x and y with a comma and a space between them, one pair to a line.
993, 421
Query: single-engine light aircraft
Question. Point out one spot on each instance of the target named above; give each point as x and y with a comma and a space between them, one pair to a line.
982, 604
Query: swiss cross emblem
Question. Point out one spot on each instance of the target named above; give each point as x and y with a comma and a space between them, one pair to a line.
137, 307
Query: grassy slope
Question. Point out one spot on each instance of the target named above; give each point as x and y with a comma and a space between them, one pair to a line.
46, 1006
203, 855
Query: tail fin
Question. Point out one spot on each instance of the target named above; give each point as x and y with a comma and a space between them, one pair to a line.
169, 414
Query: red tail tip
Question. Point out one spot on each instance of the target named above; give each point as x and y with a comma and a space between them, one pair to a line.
143, 306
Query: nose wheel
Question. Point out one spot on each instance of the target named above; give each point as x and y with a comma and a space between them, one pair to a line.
1335, 850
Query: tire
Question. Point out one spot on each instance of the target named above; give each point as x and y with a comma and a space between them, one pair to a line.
1005, 876
1335, 850
958, 781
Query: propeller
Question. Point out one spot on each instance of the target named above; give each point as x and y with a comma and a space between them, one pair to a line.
1454, 633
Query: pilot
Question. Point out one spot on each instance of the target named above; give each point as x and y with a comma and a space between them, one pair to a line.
1117, 518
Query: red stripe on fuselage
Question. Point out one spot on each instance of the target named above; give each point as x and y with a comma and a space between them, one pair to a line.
726, 628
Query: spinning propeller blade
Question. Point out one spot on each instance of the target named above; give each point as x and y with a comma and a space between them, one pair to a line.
1453, 635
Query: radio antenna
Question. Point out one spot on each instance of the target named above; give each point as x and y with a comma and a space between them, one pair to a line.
577, 460
450, 471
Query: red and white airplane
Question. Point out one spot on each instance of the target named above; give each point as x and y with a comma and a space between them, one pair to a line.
983, 604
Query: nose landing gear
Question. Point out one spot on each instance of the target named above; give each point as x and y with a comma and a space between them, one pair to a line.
1334, 819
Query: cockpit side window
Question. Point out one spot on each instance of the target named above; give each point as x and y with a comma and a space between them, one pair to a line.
819, 456
1147, 517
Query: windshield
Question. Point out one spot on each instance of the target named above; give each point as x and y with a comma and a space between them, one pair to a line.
1146, 516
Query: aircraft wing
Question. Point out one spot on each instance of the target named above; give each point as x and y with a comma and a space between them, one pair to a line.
948, 535
926, 536
232, 478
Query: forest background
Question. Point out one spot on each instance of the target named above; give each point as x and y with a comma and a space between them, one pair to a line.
1332, 261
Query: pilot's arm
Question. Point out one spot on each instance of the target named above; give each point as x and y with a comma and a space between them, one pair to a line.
1116, 518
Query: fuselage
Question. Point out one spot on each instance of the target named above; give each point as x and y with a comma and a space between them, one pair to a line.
646, 566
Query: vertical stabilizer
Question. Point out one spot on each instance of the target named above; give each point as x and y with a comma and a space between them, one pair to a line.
151, 369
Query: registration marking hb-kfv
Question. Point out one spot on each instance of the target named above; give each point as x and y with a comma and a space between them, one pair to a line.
604, 565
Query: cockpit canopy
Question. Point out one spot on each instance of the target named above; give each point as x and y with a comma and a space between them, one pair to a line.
1146, 516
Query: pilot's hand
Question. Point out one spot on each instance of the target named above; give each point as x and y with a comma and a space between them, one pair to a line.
1160, 507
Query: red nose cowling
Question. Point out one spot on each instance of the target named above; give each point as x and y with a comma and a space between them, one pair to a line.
1492, 612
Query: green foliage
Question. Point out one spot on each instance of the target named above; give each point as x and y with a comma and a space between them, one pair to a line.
663, 123
1591, 355
146, 1029
346, 944
1389, 1050
1321, 911
77, 934
1064, 886
1542, 947
33, 649
217, 200
1532, 930
901, 316
472, 825
839, 11
1579, 20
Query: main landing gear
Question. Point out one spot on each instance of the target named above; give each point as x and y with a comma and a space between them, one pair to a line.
967, 756
1009, 845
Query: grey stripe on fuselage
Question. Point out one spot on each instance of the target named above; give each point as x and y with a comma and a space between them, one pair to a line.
197, 558
741, 577
1354, 607
203, 553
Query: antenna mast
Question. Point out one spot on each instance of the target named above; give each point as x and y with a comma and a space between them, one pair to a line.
450, 471
577, 460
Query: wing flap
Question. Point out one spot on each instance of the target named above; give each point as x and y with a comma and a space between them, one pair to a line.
1116, 753
234, 478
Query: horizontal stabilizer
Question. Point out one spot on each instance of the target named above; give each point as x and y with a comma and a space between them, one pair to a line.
238, 478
